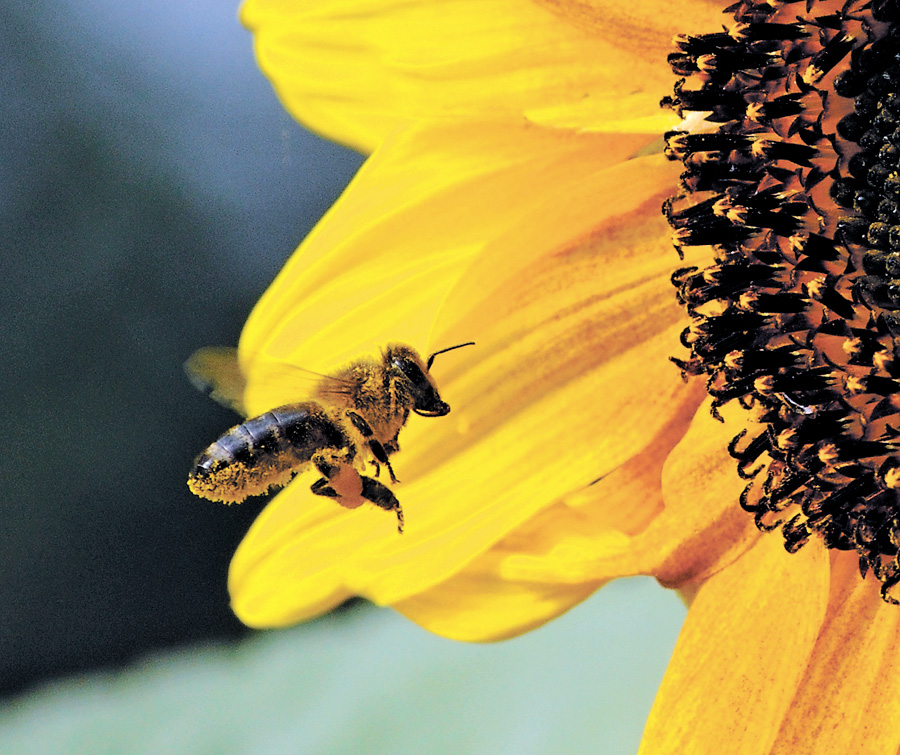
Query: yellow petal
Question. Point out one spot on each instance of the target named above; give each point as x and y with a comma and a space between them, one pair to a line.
638, 33
356, 71
847, 701
606, 223
378, 267
490, 477
703, 527
741, 654
522, 433
482, 604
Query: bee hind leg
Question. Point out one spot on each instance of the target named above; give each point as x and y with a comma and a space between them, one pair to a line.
346, 486
321, 487
381, 496
340, 481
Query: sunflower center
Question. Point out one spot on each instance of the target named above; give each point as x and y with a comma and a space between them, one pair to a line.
791, 147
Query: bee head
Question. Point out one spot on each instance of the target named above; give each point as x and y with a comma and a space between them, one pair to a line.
404, 363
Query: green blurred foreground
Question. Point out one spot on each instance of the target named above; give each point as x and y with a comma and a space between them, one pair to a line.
367, 681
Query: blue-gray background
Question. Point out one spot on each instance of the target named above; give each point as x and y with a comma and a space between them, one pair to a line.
150, 188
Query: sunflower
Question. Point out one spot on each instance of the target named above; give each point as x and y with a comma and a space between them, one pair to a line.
519, 162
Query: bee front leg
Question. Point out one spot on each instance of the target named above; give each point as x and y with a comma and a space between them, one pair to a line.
381, 457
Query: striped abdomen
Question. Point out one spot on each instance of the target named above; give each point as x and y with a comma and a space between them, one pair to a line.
264, 452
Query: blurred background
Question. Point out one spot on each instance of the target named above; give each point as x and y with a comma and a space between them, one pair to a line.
150, 188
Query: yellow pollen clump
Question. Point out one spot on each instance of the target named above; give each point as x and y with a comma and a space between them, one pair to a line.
892, 477
707, 63
738, 32
852, 347
815, 288
883, 360
764, 384
787, 439
855, 384
748, 300
734, 359
829, 454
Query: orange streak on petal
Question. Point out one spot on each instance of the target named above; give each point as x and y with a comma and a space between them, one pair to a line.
630, 497
565, 542
634, 35
607, 222
742, 652
847, 701
641, 26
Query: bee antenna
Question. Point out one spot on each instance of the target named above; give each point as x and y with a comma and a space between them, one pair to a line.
444, 351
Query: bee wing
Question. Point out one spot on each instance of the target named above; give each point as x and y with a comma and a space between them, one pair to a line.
215, 371
328, 384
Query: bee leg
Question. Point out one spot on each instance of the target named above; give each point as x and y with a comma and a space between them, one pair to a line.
375, 446
390, 468
340, 480
381, 496
321, 487
381, 455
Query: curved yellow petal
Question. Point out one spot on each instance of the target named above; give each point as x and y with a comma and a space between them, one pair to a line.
380, 264
609, 224
703, 527
479, 604
531, 421
847, 699
356, 71
742, 652
483, 487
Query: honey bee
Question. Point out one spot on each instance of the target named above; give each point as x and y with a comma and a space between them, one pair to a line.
353, 418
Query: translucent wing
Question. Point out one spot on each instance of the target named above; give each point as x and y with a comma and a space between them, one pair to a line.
215, 371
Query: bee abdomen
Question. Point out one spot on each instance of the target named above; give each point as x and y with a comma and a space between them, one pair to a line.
263, 452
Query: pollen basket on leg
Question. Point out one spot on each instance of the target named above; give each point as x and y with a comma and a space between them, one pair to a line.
790, 142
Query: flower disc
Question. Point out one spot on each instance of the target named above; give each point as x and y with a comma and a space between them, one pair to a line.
791, 147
